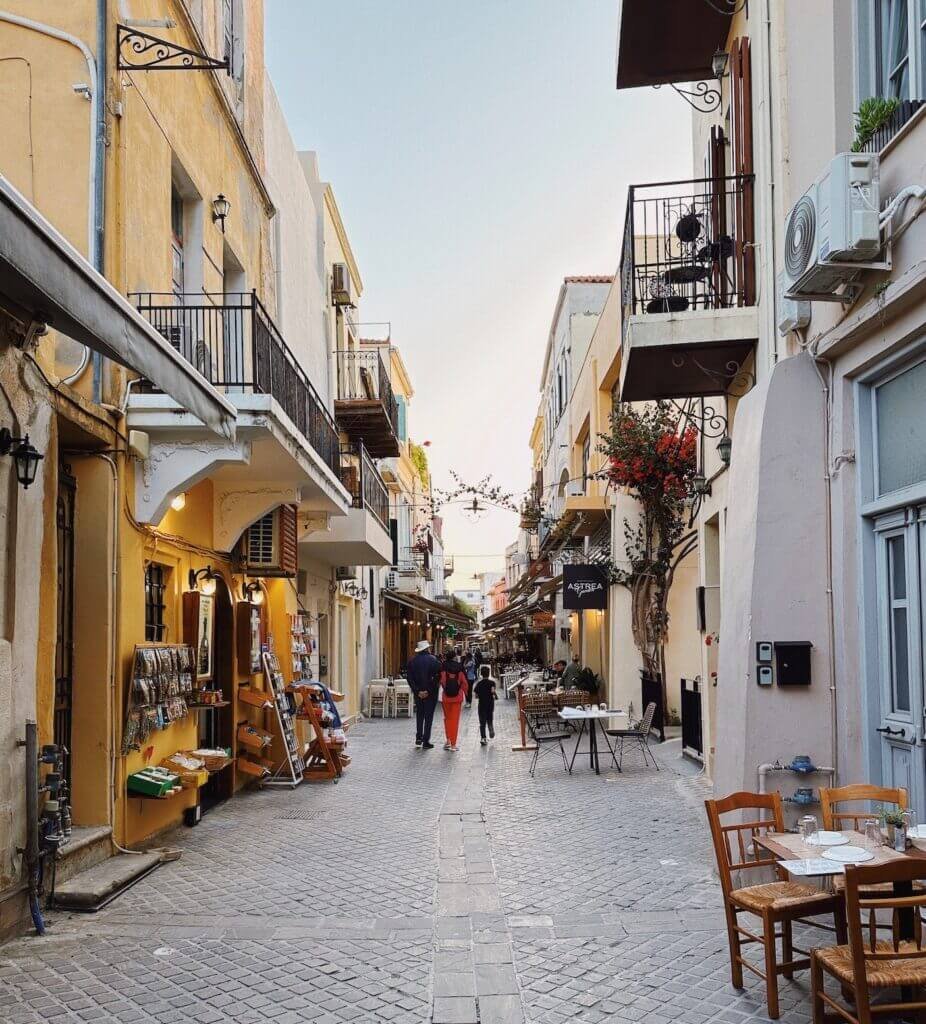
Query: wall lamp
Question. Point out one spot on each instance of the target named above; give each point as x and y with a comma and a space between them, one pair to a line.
719, 63
26, 457
725, 449
700, 484
220, 209
207, 587
252, 592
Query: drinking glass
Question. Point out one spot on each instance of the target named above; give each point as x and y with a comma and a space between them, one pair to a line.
874, 838
909, 820
807, 826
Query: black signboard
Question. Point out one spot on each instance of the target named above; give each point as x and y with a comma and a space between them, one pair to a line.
584, 587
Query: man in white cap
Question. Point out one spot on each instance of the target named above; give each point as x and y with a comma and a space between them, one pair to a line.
423, 674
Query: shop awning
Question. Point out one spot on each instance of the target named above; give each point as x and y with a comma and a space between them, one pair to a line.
44, 278
422, 604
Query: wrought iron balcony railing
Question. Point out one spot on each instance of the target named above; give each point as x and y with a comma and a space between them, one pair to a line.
366, 486
234, 344
414, 562
688, 245
363, 377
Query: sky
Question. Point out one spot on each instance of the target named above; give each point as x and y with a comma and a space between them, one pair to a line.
479, 153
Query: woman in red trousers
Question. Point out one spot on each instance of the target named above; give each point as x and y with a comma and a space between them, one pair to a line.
453, 693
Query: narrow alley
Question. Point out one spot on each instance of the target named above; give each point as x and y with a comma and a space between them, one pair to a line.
423, 887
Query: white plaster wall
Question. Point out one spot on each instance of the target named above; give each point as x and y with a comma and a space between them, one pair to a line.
774, 578
300, 313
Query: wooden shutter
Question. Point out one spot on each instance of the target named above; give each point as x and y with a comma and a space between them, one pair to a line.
289, 551
744, 207
717, 172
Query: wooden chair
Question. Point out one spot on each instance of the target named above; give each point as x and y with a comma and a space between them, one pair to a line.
834, 820
866, 963
776, 903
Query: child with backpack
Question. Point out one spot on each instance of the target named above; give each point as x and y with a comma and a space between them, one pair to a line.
453, 693
486, 697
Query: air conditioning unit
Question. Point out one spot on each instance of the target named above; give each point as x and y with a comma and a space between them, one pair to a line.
793, 314
345, 572
268, 546
340, 285
392, 580
833, 231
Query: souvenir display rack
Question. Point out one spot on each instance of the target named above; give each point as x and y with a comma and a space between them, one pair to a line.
285, 709
324, 755
160, 687
303, 646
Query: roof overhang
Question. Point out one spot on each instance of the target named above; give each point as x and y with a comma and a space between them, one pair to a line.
661, 41
422, 604
44, 278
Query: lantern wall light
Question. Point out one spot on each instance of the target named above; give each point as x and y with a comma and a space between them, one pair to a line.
252, 592
220, 210
208, 577
725, 449
25, 456
179, 502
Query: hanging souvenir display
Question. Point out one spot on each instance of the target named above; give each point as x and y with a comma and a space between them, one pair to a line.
161, 682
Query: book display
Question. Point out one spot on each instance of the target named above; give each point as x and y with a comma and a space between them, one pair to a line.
325, 755
290, 770
303, 646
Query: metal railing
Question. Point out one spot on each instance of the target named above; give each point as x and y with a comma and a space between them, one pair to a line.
413, 562
363, 376
360, 476
234, 344
904, 112
688, 245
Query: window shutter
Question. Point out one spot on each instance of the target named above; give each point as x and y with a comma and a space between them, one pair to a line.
289, 551
744, 208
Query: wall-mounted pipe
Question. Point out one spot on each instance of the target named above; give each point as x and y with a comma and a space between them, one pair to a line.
764, 770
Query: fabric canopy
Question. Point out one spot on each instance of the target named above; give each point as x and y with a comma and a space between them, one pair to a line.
44, 278
422, 604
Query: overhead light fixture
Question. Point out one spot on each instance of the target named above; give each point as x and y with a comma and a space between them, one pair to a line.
25, 456
253, 592
179, 502
725, 449
719, 63
220, 209
208, 577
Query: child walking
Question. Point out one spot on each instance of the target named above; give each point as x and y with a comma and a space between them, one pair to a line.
486, 697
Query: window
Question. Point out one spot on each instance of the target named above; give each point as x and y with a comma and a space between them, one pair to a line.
900, 422
586, 456
228, 33
402, 426
892, 49
155, 589
176, 243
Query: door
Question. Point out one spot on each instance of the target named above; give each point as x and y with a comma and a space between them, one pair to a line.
900, 558
64, 633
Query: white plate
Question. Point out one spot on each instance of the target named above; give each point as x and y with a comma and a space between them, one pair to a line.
824, 838
848, 854
919, 832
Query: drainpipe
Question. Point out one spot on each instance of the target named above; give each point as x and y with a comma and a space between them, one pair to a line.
96, 187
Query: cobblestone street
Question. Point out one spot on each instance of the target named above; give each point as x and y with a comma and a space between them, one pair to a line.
423, 887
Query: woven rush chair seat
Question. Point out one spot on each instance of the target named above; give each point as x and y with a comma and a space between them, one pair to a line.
879, 973
839, 885
778, 896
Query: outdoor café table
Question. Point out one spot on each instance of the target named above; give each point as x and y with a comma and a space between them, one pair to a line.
788, 846
590, 716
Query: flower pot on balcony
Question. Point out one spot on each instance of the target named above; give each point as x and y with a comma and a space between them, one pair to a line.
667, 304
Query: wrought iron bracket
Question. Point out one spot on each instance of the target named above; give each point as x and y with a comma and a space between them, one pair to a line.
138, 51
705, 97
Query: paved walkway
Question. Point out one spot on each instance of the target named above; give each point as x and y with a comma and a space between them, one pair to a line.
424, 887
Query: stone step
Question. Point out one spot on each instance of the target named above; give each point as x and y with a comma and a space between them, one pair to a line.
100, 884
88, 846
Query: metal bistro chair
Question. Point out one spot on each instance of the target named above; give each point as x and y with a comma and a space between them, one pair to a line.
866, 963
639, 734
546, 729
774, 903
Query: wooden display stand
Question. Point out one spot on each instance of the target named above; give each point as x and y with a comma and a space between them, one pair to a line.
323, 757
522, 721
290, 770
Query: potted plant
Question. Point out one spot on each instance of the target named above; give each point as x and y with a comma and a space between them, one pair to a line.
872, 115
892, 820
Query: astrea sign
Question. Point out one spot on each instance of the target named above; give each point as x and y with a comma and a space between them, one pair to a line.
584, 587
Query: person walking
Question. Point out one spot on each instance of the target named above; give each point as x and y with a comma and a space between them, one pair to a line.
470, 670
453, 684
423, 674
486, 696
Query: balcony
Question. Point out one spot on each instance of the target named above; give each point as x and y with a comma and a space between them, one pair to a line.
689, 321
362, 536
286, 440
365, 406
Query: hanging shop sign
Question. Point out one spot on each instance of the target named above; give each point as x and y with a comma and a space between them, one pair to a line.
543, 620
584, 587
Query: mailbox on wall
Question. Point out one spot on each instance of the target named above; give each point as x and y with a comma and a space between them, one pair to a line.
792, 662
